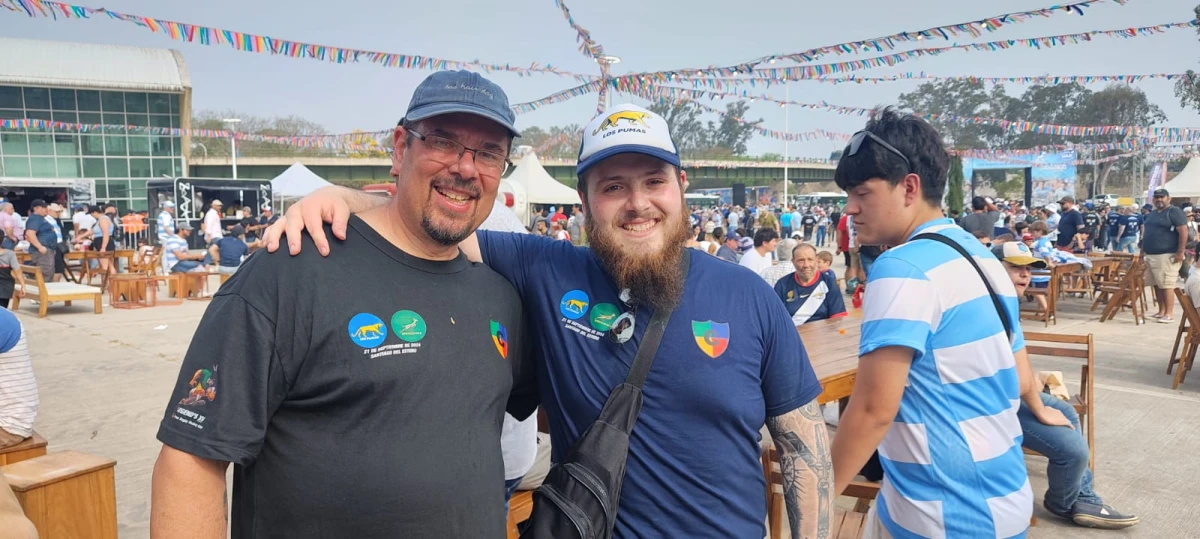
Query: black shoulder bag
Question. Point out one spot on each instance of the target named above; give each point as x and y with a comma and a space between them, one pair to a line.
991, 291
580, 495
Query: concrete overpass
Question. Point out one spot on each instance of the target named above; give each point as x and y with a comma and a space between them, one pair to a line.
348, 170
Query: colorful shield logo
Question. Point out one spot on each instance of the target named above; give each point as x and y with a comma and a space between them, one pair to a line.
711, 337
500, 338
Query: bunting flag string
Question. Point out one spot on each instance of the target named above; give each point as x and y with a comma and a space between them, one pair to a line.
675, 95
587, 45
557, 97
721, 83
973, 28
813, 71
192, 33
381, 141
590, 48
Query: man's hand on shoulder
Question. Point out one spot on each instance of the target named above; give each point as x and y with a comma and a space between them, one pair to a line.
331, 205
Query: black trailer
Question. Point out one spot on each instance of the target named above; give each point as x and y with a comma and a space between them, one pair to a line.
193, 197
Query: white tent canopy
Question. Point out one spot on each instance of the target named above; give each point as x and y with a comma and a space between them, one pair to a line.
295, 182
1187, 183
540, 187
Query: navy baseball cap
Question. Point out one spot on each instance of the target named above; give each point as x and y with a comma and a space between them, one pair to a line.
447, 92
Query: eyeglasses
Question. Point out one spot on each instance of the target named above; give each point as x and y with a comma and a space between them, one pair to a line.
622, 328
449, 152
858, 138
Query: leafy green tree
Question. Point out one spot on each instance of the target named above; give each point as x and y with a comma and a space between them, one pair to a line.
954, 195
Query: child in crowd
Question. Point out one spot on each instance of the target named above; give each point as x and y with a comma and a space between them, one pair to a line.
824, 263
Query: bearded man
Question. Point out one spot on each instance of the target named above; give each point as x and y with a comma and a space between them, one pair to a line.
729, 361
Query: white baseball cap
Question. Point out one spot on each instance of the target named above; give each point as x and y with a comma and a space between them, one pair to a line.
626, 128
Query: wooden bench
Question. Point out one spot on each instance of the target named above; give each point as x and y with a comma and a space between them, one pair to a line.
45, 292
1081, 347
67, 495
34, 446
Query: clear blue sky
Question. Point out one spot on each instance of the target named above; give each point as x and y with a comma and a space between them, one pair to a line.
649, 36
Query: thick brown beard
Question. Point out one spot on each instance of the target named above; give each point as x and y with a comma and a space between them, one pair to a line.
653, 279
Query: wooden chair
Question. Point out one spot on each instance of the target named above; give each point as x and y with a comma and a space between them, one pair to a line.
1050, 294
847, 524
67, 495
75, 266
1077, 282
149, 265
1081, 347
44, 292
1128, 292
520, 506
34, 446
1189, 333
89, 256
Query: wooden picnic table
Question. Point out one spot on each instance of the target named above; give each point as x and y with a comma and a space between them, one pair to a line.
834, 355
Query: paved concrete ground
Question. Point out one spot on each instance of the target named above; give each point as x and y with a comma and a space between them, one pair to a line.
104, 383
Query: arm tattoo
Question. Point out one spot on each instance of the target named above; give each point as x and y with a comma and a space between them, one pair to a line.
804, 462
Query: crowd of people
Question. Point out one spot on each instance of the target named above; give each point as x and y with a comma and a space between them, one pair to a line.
944, 398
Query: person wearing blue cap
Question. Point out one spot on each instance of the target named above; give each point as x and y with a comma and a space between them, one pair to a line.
398, 351
729, 362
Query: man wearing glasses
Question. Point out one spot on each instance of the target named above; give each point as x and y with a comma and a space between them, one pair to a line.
361, 396
730, 359
939, 380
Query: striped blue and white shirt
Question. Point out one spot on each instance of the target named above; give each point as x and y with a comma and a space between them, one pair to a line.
172, 244
166, 226
952, 457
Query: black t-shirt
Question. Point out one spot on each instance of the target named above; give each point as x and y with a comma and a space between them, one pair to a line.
1159, 233
1068, 225
1091, 224
360, 395
809, 222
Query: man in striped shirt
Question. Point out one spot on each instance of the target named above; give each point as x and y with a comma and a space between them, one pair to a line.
166, 222
940, 377
18, 388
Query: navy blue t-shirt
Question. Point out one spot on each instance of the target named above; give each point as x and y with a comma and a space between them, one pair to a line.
43, 230
807, 302
1114, 223
231, 250
1133, 223
1068, 226
729, 359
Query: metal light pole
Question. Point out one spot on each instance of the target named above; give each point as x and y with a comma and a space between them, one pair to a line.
607, 61
787, 128
232, 142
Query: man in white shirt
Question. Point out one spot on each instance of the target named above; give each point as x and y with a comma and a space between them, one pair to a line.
165, 226
759, 258
81, 219
212, 222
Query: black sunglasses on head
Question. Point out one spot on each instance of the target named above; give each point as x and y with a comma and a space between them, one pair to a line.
857, 139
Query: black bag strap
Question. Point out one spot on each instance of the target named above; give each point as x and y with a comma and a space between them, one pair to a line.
653, 336
991, 291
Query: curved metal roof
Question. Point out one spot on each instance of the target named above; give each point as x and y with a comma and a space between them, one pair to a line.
30, 62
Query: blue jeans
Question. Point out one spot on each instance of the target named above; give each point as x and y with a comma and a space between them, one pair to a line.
820, 236
184, 266
1127, 244
510, 486
1068, 475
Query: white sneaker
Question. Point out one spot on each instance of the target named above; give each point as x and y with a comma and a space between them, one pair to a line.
1166, 320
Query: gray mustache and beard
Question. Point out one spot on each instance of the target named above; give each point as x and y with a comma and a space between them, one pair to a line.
653, 278
449, 235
